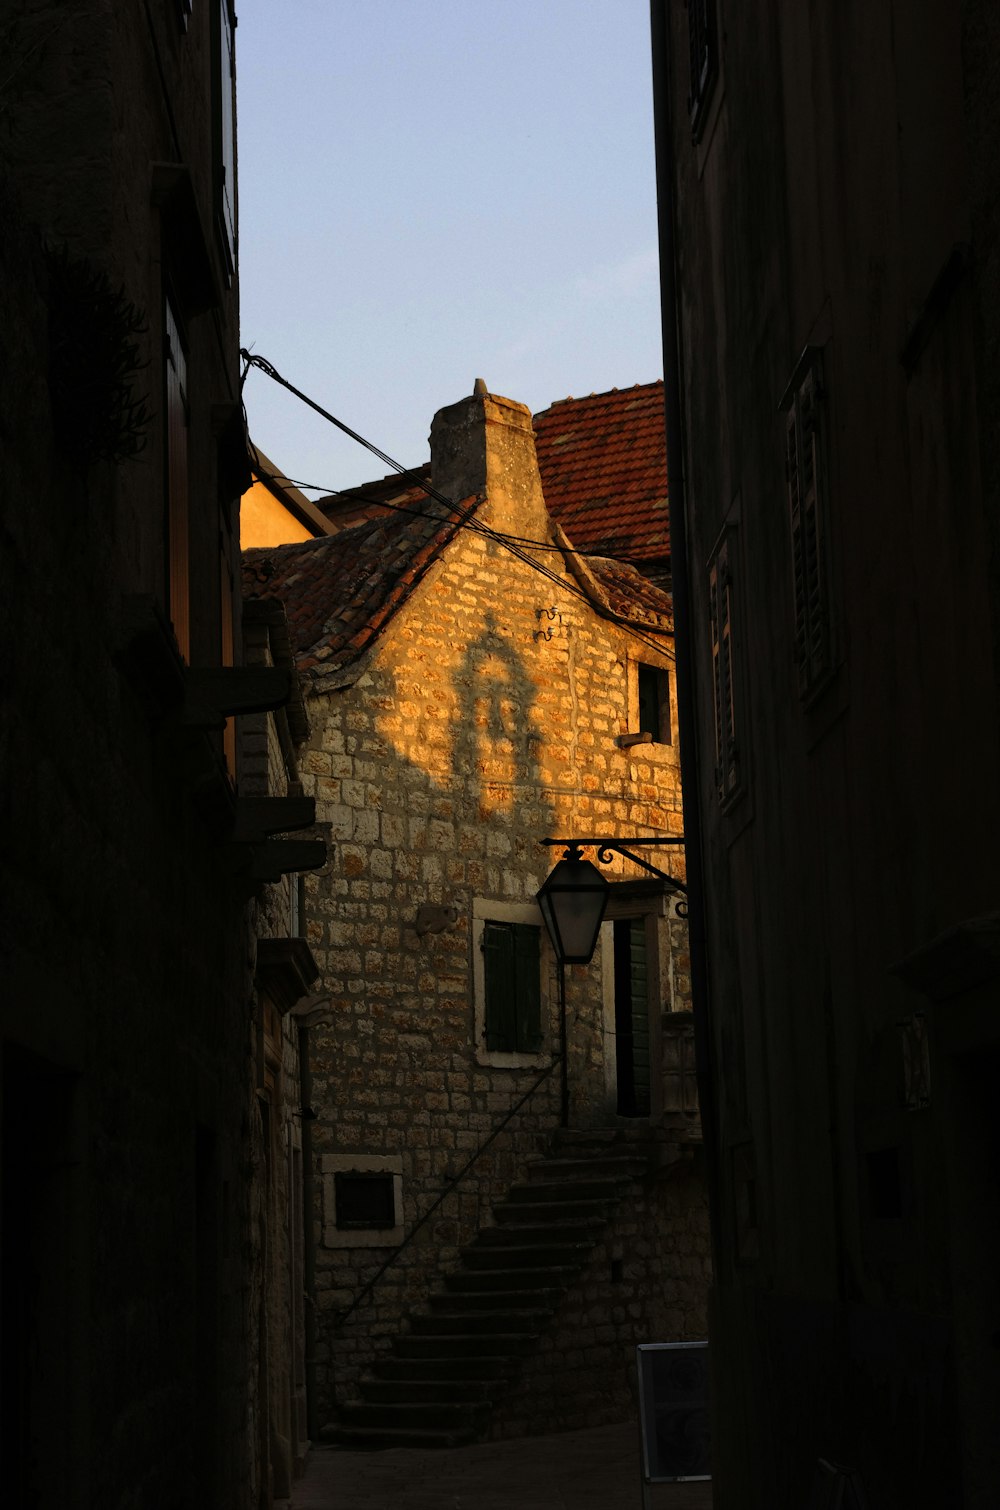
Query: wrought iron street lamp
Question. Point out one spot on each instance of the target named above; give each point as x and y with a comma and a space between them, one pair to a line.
575, 895
573, 900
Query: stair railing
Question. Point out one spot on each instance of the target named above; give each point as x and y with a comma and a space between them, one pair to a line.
452, 1183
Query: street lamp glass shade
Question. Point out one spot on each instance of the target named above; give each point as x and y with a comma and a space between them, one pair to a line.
572, 902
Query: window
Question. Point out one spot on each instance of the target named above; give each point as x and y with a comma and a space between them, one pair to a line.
720, 597
804, 475
176, 403
513, 996
225, 128
510, 999
362, 1200
703, 42
654, 703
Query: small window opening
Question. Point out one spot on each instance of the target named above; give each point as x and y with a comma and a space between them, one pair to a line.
364, 1202
654, 703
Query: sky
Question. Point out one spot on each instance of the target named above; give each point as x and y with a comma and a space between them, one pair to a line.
432, 191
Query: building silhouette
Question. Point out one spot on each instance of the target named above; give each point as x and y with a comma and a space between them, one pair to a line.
828, 192
147, 953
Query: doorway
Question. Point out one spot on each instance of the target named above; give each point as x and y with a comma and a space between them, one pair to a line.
631, 1005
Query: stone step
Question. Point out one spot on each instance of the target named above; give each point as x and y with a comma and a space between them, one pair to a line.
556, 1213
464, 1344
510, 1254
544, 1298
446, 1415
453, 1370
423, 1391
492, 1280
622, 1166
545, 1191
626, 1134
546, 1234
463, 1322
377, 1438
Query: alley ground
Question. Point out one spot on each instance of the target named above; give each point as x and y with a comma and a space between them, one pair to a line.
574, 1470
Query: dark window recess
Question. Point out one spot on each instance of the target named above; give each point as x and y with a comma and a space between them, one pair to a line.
225, 132
513, 993
364, 1201
654, 703
806, 519
703, 41
885, 1186
720, 598
175, 379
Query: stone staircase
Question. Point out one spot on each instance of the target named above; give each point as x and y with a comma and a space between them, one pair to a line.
438, 1386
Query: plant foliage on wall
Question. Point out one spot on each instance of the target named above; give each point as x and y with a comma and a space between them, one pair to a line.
94, 364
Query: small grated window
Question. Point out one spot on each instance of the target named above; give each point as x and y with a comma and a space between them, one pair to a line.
364, 1202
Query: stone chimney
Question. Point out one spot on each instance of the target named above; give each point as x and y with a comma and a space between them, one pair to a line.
484, 444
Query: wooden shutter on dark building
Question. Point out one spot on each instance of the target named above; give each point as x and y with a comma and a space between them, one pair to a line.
805, 511
703, 43
721, 615
178, 585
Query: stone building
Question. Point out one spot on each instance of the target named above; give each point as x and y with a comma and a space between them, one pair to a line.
137, 926
475, 685
828, 196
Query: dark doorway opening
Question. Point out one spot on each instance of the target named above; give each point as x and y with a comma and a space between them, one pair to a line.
632, 1017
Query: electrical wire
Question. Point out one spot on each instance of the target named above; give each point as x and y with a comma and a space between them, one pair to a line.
464, 516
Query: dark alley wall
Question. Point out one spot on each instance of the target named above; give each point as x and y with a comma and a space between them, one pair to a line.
126, 954
828, 195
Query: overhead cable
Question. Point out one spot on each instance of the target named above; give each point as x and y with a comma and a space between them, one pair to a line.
465, 516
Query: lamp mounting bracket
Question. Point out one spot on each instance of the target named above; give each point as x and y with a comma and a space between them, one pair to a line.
607, 847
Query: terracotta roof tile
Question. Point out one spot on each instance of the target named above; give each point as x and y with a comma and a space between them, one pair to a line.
630, 593
603, 461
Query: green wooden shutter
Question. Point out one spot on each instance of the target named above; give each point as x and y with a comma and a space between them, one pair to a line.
498, 964
513, 995
639, 974
528, 994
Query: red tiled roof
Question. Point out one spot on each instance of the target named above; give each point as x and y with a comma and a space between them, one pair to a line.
603, 466
340, 591
603, 461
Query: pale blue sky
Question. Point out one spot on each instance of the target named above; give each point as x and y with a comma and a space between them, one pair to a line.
433, 191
